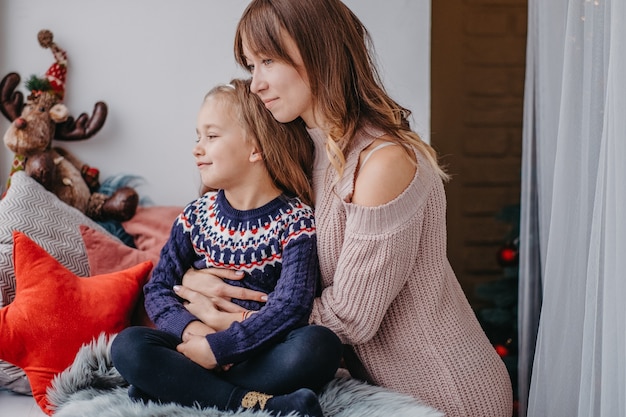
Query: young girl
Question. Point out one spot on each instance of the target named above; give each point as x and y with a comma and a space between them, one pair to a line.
388, 289
258, 224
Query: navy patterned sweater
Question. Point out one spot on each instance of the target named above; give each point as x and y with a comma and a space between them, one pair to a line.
275, 245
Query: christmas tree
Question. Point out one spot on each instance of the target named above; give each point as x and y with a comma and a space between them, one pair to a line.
499, 317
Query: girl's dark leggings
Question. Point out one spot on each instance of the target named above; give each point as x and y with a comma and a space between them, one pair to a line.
308, 357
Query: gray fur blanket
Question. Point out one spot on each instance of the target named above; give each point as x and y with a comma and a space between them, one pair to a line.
91, 386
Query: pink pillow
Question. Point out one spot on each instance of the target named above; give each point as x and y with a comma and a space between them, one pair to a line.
150, 227
106, 255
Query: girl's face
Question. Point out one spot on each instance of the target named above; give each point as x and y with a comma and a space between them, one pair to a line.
284, 88
222, 154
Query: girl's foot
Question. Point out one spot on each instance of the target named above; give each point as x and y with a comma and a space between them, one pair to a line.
138, 395
303, 401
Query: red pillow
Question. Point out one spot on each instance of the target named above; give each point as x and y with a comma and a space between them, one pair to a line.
55, 312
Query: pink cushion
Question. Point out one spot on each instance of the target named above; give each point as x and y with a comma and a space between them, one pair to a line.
107, 254
150, 227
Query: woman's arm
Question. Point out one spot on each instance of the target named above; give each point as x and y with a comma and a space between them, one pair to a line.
380, 247
371, 272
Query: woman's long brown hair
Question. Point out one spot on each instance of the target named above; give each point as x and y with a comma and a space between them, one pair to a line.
338, 58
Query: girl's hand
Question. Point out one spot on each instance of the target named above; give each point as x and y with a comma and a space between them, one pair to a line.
209, 282
197, 349
196, 328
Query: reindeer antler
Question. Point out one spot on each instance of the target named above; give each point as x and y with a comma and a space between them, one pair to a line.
11, 101
84, 127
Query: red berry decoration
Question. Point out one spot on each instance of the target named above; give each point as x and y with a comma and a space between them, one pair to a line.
501, 350
508, 255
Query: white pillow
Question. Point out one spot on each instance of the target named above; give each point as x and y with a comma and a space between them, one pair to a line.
53, 225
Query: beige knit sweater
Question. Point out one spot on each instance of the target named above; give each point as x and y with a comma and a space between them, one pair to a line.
389, 290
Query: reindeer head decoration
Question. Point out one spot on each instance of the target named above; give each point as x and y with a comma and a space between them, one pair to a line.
44, 117
33, 129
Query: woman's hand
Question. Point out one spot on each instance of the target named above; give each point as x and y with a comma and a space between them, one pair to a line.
209, 283
197, 304
205, 309
197, 349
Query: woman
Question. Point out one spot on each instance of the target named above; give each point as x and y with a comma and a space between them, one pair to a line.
388, 289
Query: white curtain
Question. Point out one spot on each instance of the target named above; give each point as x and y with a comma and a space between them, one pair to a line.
572, 309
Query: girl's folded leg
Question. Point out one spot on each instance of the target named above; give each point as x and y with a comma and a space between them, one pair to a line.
148, 360
308, 357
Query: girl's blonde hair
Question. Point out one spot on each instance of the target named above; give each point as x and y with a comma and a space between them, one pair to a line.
338, 58
286, 148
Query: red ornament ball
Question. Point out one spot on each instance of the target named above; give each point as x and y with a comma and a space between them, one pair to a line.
501, 350
507, 255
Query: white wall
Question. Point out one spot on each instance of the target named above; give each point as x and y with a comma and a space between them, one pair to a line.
152, 61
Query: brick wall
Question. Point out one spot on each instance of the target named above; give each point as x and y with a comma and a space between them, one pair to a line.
477, 71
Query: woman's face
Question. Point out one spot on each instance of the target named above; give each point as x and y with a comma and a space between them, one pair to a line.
284, 88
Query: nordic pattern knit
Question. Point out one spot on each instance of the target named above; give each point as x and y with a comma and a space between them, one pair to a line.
388, 290
275, 245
